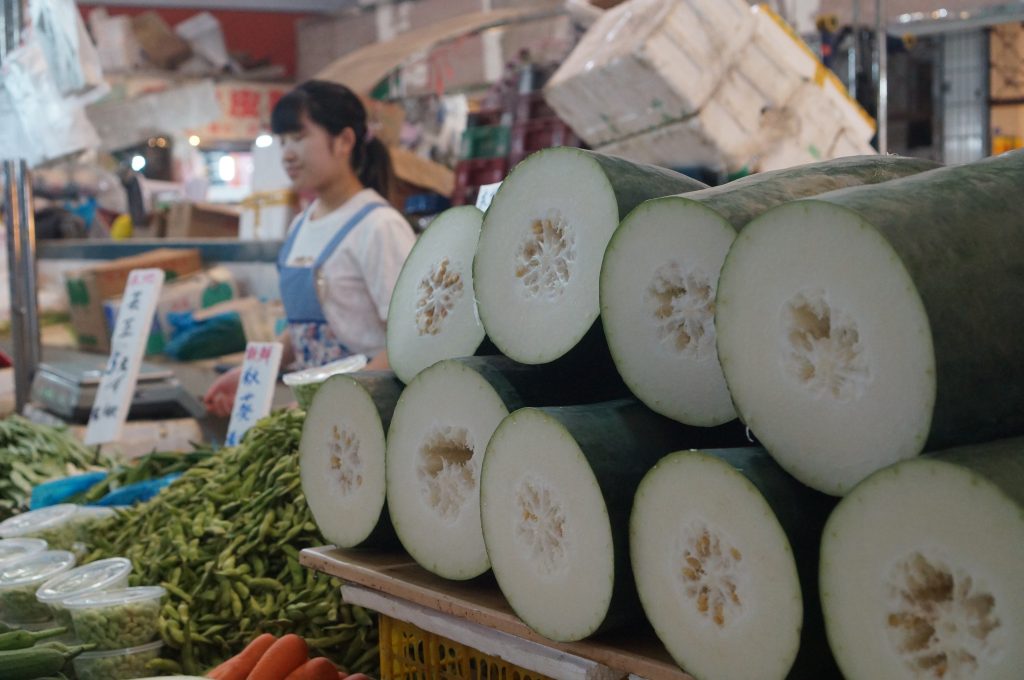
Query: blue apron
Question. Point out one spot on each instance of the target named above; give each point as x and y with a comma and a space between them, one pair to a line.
314, 342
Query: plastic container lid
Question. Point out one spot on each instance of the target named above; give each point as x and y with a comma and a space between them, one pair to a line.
318, 374
37, 568
13, 548
84, 580
36, 521
113, 598
127, 651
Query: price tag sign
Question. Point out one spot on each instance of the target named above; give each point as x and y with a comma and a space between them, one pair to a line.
255, 388
486, 194
127, 346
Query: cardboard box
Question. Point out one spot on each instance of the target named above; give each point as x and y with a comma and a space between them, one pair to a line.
88, 288
159, 42
187, 294
202, 220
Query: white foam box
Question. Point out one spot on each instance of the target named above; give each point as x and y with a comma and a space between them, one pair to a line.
646, 64
731, 129
806, 131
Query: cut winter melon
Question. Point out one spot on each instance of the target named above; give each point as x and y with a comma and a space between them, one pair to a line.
712, 541
437, 442
538, 260
556, 490
341, 457
660, 276
921, 569
433, 308
857, 327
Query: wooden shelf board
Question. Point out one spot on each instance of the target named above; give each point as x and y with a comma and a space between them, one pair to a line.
634, 651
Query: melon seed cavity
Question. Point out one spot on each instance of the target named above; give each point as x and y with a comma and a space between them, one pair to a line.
710, 571
545, 259
439, 291
683, 306
446, 471
822, 349
345, 463
939, 621
541, 526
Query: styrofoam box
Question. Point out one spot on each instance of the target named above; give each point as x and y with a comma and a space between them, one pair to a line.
647, 63
738, 122
807, 132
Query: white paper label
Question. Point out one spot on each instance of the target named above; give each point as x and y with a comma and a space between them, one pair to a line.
127, 345
255, 393
486, 194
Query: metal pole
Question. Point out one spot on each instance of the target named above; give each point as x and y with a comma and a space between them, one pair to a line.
21, 240
853, 56
882, 50
21, 263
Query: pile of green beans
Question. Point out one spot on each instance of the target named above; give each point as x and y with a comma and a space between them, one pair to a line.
224, 540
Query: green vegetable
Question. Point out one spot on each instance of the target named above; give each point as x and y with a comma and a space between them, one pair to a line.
151, 466
31, 454
20, 604
116, 627
224, 540
33, 662
118, 666
20, 639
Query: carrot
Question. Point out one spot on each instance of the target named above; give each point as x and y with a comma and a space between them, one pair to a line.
282, 658
239, 666
315, 669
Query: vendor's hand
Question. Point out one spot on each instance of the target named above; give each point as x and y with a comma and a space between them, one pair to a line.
221, 396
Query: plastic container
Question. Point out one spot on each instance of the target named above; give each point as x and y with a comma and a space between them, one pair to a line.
13, 548
117, 664
116, 619
54, 524
304, 384
21, 578
92, 578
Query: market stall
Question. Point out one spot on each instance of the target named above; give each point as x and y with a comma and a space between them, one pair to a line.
684, 380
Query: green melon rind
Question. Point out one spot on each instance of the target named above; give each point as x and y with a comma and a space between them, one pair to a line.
621, 440
733, 206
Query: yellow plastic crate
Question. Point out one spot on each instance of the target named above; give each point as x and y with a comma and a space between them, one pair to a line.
411, 653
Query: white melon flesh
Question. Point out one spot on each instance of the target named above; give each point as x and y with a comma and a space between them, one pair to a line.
825, 344
538, 261
436, 443
658, 286
922, 575
535, 272
341, 462
433, 312
547, 528
715, 570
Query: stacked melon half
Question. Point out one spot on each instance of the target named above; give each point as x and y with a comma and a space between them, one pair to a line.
848, 314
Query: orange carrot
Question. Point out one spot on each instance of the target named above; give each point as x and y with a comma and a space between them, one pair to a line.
315, 669
239, 666
282, 658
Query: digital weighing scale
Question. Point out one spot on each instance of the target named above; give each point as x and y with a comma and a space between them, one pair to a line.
67, 389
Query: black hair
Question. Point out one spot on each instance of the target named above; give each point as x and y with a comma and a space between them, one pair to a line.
334, 107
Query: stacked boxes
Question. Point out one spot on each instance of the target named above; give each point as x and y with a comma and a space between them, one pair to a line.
759, 100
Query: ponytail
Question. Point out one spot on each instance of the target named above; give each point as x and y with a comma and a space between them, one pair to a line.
335, 107
372, 163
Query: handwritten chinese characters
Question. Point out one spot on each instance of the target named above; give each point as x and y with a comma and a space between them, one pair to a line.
255, 388
128, 342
